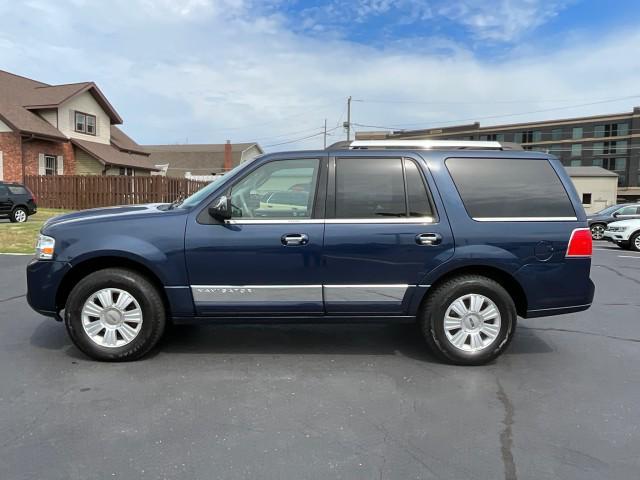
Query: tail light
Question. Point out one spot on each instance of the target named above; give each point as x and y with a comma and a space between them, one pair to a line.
35, 200
580, 243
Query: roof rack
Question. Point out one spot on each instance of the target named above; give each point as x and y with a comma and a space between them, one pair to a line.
432, 145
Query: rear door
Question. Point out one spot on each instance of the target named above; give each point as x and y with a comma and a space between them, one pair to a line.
5, 200
384, 232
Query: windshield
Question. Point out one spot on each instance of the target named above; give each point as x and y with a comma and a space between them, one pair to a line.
608, 210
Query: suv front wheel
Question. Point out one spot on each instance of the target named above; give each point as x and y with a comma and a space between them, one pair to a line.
468, 320
115, 315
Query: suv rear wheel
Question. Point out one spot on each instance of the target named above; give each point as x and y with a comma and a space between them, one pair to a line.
19, 215
115, 315
468, 320
597, 231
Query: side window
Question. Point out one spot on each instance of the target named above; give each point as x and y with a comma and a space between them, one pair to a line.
510, 188
379, 188
417, 197
370, 188
627, 211
279, 189
3, 190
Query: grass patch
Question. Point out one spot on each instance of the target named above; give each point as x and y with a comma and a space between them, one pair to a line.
21, 237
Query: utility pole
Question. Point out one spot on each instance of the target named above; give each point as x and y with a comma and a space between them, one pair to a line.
347, 124
325, 133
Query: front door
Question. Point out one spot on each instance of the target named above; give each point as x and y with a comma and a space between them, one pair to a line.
266, 259
383, 235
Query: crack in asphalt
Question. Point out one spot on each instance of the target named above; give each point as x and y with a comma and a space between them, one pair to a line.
620, 274
594, 334
506, 436
13, 298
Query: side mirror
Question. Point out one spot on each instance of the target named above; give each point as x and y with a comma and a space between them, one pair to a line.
616, 215
220, 209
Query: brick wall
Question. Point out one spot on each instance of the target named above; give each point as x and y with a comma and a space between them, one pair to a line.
31, 149
10, 145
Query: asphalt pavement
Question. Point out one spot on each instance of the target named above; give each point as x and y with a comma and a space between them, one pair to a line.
331, 401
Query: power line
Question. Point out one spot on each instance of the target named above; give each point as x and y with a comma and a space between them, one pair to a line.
482, 102
300, 139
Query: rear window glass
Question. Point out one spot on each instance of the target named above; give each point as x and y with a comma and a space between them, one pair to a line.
506, 188
18, 190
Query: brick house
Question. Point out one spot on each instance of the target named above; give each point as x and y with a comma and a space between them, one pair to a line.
62, 130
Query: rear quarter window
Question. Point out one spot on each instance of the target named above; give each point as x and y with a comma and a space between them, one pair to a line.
18, 190
510, 188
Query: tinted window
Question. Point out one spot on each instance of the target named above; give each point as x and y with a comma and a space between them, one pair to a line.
272, 190
492, 187
419, 205
627, 211
369, 188
18, 190
3, 190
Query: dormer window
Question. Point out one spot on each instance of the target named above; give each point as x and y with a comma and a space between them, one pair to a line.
85, 123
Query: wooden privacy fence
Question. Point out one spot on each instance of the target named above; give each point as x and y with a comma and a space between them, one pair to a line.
77, 192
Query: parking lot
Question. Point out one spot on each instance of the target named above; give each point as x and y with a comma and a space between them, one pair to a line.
331, 401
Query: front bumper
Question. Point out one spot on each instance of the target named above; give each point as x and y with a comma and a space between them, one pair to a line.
615, 237
44, 278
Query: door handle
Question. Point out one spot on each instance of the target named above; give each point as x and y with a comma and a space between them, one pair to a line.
428, 239
295, 239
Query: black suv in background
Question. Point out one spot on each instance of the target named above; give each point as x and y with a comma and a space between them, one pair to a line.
598, 221
16, 202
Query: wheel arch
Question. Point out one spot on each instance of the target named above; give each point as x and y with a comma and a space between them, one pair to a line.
504, 278
91, 265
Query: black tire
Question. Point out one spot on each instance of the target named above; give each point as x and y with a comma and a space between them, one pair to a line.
145, 293
634, 242
597, 231
19, 215
438, 301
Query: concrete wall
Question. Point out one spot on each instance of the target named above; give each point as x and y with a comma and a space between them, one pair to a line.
603, 190
87, 104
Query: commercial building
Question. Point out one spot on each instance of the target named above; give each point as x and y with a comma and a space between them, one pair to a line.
611, 142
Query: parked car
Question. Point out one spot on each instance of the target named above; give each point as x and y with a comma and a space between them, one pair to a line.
461, 237
625, 234
598, 221
16, 202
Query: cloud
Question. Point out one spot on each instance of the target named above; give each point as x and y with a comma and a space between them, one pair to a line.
205, 71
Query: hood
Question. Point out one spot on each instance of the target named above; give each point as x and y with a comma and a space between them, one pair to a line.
107, 213
625, 223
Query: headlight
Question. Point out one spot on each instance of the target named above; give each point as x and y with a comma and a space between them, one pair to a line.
45, 247
617, 229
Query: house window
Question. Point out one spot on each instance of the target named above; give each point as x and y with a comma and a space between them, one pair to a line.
586, 199
85, 123
556, 134
576, 132
617, 165
50, 165
611, 130
126, 171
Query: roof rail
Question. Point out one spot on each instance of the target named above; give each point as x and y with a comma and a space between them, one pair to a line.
433, 145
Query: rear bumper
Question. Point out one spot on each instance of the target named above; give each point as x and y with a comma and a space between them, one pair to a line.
43, 281
557, 289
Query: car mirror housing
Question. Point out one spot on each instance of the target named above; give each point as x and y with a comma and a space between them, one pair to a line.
220, 209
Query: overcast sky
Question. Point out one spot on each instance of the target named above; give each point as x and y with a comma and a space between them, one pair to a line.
203, 71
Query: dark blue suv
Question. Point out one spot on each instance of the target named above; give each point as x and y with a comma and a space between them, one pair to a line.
461, 236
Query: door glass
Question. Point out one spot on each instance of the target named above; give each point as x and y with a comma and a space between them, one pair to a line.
280, 189
369, 188
627, 211
419, 205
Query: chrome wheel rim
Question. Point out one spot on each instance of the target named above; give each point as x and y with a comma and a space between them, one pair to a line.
111, 318
20, 216
636, 242
597, 232
472, 323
